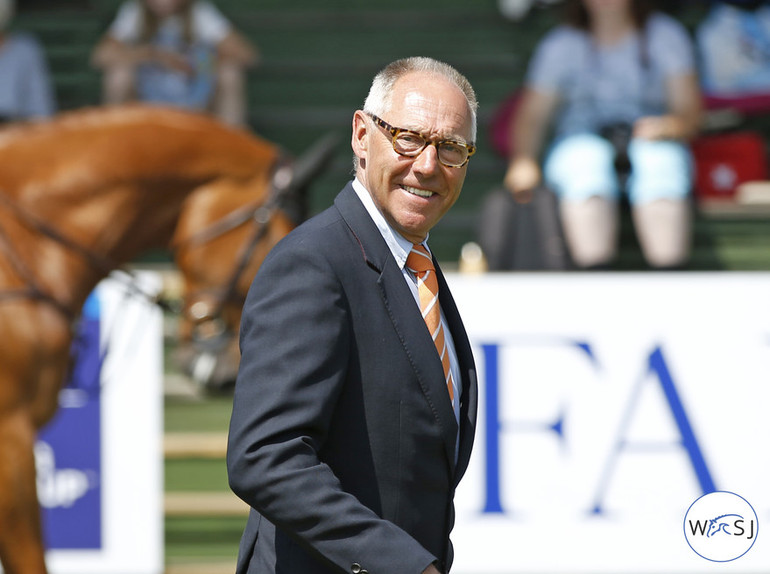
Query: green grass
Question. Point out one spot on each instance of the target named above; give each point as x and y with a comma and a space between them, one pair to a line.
197, 415
209, 538
190, 539
192, 474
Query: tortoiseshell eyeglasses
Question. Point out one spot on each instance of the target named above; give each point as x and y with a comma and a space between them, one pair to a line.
451, 153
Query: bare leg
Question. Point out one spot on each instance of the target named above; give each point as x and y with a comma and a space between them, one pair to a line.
591, 230
118, 85
663, 228
230, 98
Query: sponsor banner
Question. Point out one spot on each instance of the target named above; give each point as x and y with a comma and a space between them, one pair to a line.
99, 461
68, 450
610, 404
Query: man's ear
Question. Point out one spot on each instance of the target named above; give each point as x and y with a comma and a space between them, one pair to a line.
360, 138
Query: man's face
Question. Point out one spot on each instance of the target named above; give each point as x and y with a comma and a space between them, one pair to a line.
414, 193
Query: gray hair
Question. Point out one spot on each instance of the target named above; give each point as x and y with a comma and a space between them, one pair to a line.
379, 100
6, 13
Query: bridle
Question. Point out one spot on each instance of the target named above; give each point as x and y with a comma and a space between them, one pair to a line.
260, 212
210, 331
204, 308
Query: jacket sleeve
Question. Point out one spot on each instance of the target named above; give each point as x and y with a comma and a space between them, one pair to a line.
295, 343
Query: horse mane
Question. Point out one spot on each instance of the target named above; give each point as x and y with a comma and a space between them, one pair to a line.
105, 117
126, 144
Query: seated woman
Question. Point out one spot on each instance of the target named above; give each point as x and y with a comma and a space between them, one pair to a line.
178, 52
25, 82
617, 83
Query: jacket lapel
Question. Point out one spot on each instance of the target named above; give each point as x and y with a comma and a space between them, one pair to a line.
404, 314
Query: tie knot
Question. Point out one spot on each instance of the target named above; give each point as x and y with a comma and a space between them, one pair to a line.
419, 260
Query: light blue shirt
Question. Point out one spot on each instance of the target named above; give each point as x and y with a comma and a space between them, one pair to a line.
25, 84
599, 85
734, 48
400, 248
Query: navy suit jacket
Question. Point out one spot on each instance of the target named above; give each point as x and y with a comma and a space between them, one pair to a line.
342, 437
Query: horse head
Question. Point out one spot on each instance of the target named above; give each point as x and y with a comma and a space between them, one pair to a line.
226, 229
718, 525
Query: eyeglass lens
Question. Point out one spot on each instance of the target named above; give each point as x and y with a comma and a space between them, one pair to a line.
449, 153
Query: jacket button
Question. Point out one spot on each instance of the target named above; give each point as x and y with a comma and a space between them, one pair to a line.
355, 568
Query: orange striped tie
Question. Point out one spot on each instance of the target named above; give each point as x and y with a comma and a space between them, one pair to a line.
420, 263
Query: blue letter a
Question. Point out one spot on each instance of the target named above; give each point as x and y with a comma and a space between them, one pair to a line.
657, 366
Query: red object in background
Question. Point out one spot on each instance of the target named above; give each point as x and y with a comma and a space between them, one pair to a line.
724, 161
748, 104
500, 125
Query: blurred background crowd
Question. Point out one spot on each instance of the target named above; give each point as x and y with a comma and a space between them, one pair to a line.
614, 134
624, 135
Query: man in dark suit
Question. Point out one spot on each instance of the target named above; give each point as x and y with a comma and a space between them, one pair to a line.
349, 432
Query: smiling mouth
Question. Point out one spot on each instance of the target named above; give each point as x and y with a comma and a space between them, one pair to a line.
418, 192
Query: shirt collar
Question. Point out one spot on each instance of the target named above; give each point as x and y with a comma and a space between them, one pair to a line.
398, 245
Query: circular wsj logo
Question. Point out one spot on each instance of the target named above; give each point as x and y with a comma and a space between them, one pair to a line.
721, 526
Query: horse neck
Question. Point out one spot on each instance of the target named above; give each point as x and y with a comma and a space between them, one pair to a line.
66, 255
115, 182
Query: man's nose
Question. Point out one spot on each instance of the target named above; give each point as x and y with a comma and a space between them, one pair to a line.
427, 161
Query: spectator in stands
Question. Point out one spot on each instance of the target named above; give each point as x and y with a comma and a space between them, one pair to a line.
734, 45
618, 82
179, 52
25, 83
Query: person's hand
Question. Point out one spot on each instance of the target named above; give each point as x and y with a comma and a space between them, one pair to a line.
522, 177
658, 128
173, 61
431, 570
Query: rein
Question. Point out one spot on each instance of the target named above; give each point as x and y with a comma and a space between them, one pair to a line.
33, 289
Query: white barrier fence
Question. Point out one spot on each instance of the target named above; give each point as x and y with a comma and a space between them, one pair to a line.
609, 403
100, 473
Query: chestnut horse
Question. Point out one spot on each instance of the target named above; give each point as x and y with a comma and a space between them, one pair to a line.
85, 193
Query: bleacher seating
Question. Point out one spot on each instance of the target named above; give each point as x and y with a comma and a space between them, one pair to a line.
317, 61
